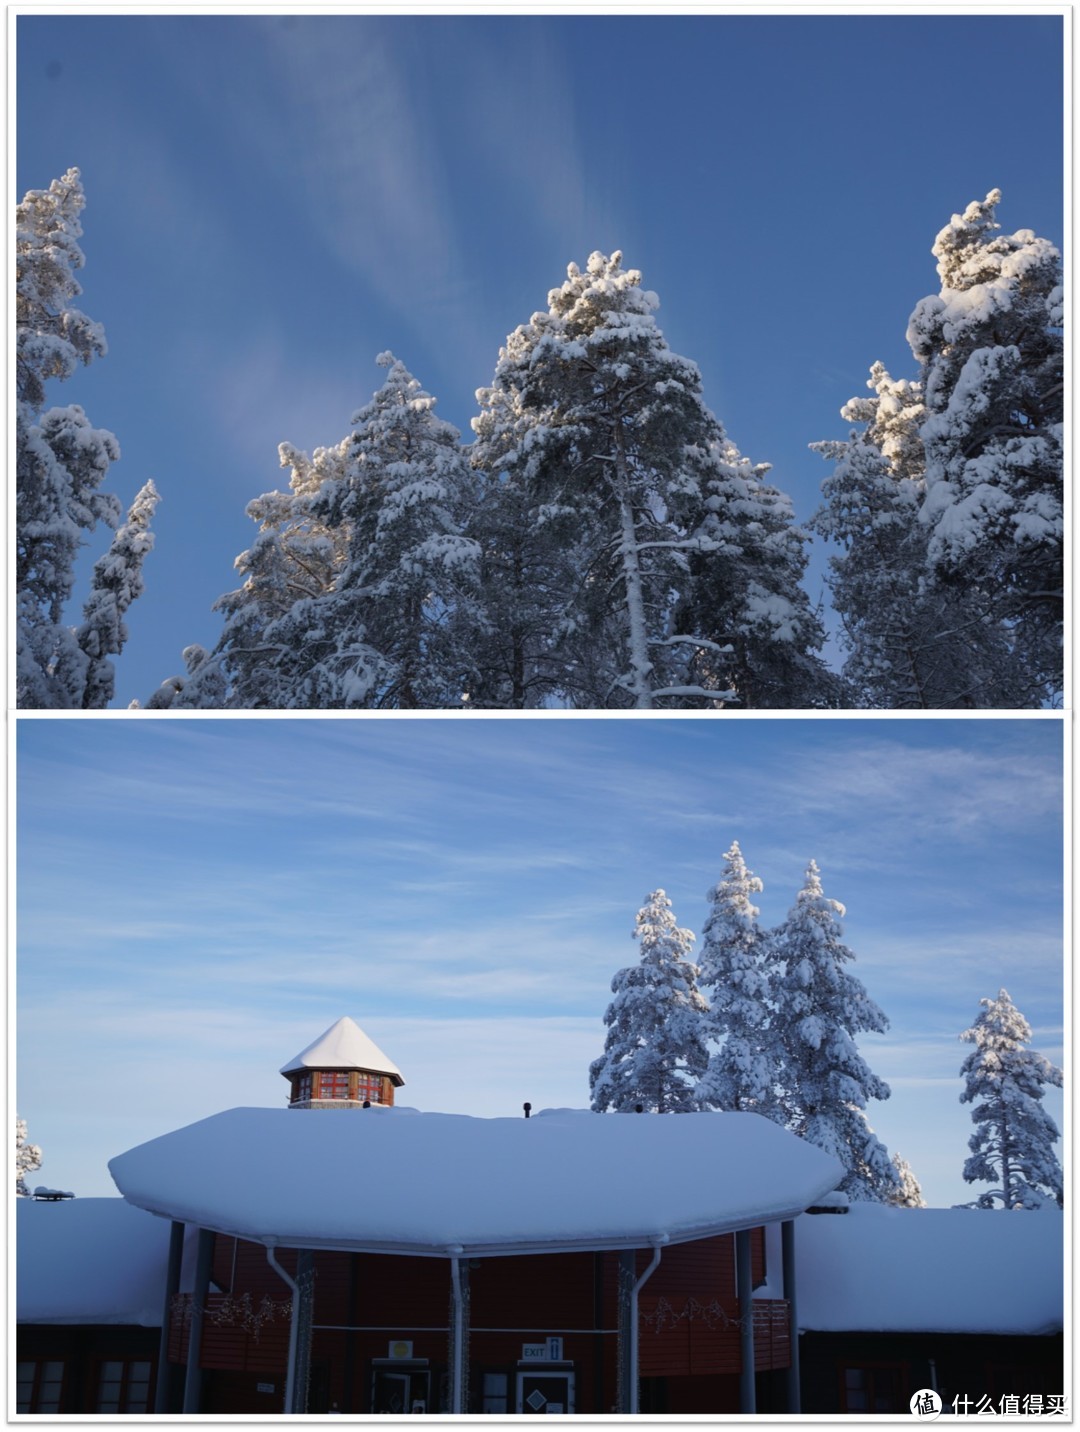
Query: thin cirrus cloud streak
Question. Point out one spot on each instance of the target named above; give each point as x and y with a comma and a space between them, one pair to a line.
376, 171
970, 788
375, 186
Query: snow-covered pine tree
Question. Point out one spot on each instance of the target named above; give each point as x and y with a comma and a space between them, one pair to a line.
913, 642
908, 1193
27, 1158
361, 587
523, 636
116, 582
61, 460
991, 349
288, 570
819, 1007
735, 981
1012, 1146
410, 578
668, 571
654, 1052
744, 591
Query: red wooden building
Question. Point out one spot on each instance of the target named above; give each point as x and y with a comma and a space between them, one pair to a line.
392, 1261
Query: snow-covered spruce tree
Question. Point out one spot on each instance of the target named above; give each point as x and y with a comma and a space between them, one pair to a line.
1012, 1146
913, 642
991, 349
524, 632
289, 570
360, 588
410, 576
116, 582
60, 460
735, 981
654, 1052
667, 570
27, 1158
909, 1193
819, 1008
743, 589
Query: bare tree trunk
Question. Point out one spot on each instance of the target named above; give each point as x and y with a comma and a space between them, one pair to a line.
640, 665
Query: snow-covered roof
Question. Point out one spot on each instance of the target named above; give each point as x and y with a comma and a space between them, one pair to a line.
344, 1046
89, 1260
945, 1270
398, 1181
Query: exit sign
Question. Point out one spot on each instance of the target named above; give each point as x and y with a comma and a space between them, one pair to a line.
549, 1351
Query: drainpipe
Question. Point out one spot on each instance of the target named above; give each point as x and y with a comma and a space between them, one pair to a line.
744, 1283
294, 1323
633, 1359
787, 1244
457, 1368
204, 1263
172, 1287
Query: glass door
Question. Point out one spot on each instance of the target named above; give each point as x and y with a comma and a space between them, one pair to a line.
545, 1392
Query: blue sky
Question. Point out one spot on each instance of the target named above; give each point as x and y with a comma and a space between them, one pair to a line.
199, 899
273, 200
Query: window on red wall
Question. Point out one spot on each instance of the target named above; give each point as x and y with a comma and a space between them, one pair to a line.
123, 1387
39, 1386
303, 1088
874, 1387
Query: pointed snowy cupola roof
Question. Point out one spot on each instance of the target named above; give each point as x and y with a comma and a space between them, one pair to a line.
344, 1046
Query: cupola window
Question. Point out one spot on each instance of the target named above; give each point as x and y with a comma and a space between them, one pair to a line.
369, 1086
334, 1086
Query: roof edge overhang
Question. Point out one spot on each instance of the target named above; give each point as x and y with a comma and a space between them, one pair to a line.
645, 1238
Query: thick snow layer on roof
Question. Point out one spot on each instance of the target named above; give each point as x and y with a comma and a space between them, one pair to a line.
90, 1260
400, 1181
946, 1270
344, 1046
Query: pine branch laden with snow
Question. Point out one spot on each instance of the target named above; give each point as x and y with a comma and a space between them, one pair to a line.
818, 1008
27, 1158
117, 580
1012, 1146
654, 1051
734, 978
61, 460
645, 562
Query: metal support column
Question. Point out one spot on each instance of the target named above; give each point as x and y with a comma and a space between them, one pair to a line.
787, 1244
744, 1281
300, 1320
627, 1275
172, 1287
457, 1333
305, 1281
204, 1262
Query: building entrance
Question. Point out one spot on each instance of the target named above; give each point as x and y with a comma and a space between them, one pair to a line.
545, 1392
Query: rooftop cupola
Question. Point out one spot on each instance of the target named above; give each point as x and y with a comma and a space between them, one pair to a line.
342, 1069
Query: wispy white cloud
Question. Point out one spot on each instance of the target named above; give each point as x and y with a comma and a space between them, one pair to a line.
959, 789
